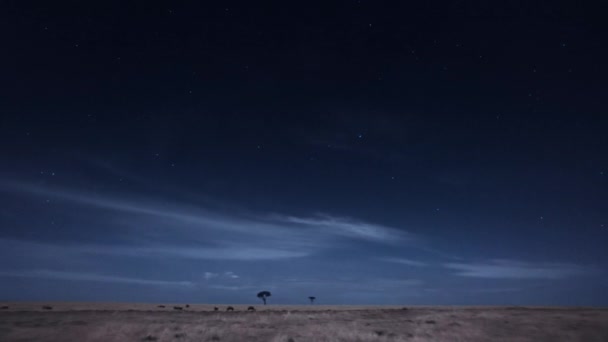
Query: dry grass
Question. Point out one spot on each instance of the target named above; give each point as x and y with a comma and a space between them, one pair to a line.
147, 322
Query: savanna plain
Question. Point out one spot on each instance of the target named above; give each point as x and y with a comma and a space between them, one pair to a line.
275, 323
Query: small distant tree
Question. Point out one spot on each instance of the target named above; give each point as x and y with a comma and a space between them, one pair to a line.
312, 299
263, 295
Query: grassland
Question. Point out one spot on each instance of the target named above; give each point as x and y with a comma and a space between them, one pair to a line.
148, 322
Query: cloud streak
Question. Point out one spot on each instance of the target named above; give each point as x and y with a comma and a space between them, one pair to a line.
76, 276
347, 227
203, 253
510, 269
155, 228
242, 253
402, 261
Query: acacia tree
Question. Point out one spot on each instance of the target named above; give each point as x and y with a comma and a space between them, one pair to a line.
312, 299
263, 295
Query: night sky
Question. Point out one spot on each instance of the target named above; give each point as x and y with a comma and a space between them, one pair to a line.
359, 151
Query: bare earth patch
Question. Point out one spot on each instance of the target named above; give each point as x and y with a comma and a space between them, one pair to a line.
149, 322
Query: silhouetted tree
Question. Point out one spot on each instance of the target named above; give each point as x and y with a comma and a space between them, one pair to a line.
263, 295
312, 299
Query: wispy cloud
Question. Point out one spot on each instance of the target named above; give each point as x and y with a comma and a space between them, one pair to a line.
510, 269
204, 253
402, 261
232, 287
347, 227
76, 276
50, 249
155, 228
210, 275
231, 275
227, 274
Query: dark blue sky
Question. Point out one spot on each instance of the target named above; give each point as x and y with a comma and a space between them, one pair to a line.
357, 152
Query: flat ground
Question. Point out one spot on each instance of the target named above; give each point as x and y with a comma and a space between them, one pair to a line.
148, 322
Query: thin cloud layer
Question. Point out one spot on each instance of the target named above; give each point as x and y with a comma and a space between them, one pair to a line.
231, 252
238, 253
186, 231
204, 253
348, 228
510, 269
402, 261
77, 276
